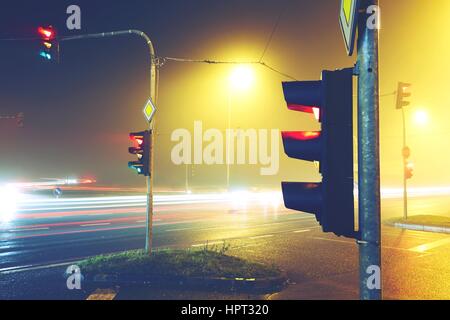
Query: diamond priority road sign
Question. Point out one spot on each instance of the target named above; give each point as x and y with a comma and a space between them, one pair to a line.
149, 110
348, 16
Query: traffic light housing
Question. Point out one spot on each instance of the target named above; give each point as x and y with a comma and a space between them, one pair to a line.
20, 119
49, 43
408, 165
140, 148
402, 93
409, 170
332, 199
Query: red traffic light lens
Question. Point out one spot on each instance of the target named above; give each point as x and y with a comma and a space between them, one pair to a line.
46, 33
301, 135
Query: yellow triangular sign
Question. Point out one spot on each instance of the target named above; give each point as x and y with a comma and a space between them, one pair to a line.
347, 6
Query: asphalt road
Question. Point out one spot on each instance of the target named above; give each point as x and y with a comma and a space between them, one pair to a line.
320, 266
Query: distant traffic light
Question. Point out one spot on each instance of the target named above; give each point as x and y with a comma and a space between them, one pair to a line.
331, 101
402, 93
49, 44
409, 170
408, 165
141, 148
20, 120
47, 33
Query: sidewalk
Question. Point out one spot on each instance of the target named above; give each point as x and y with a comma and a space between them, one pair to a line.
438, 224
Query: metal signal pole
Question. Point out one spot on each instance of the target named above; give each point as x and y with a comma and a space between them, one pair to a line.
152, 124
405, 163
369, 154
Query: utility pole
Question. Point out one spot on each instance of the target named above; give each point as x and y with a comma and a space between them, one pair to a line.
369, 152
154, 75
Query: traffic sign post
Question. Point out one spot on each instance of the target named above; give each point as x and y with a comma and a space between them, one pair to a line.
149, 112
369, 155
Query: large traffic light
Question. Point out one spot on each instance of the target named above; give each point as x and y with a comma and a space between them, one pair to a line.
332, 200
49, 43
402, 93
141, 148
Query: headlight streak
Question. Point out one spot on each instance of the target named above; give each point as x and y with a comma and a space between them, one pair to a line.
9, 198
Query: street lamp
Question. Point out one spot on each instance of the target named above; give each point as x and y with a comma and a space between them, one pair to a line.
421, 117
241, 79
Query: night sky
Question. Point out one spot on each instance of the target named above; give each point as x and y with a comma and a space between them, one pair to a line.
79, 112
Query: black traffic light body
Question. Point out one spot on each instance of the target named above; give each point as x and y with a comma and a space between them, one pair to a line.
49, 43
141, 148
402, 94
332, 200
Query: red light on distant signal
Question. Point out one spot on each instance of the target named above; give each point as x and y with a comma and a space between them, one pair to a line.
139, 140
46, 33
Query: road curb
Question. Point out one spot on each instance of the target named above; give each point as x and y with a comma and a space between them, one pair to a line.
263, 285
425, 228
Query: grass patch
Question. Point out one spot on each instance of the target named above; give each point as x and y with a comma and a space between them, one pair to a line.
434, 221
205, 263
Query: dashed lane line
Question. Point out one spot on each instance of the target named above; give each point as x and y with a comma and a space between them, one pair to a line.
262, 237
430, 245
27, 230
207, 243
103, 294
302, 231
95, 225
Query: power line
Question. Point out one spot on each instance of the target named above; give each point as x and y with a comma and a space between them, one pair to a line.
208, 61
388, 94
21, 39
272, 33
277, 71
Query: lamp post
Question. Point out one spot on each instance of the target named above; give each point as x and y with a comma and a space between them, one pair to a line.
241, 79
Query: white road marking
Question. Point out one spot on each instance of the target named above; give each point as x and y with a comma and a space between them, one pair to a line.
204, 244
95, 225
302, 231
334, 240
141, 221
430, 245
353, 242
102, 294
180, 229
262, 237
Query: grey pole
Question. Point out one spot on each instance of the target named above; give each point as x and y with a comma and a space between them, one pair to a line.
405, 163
368, 155
154, 96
